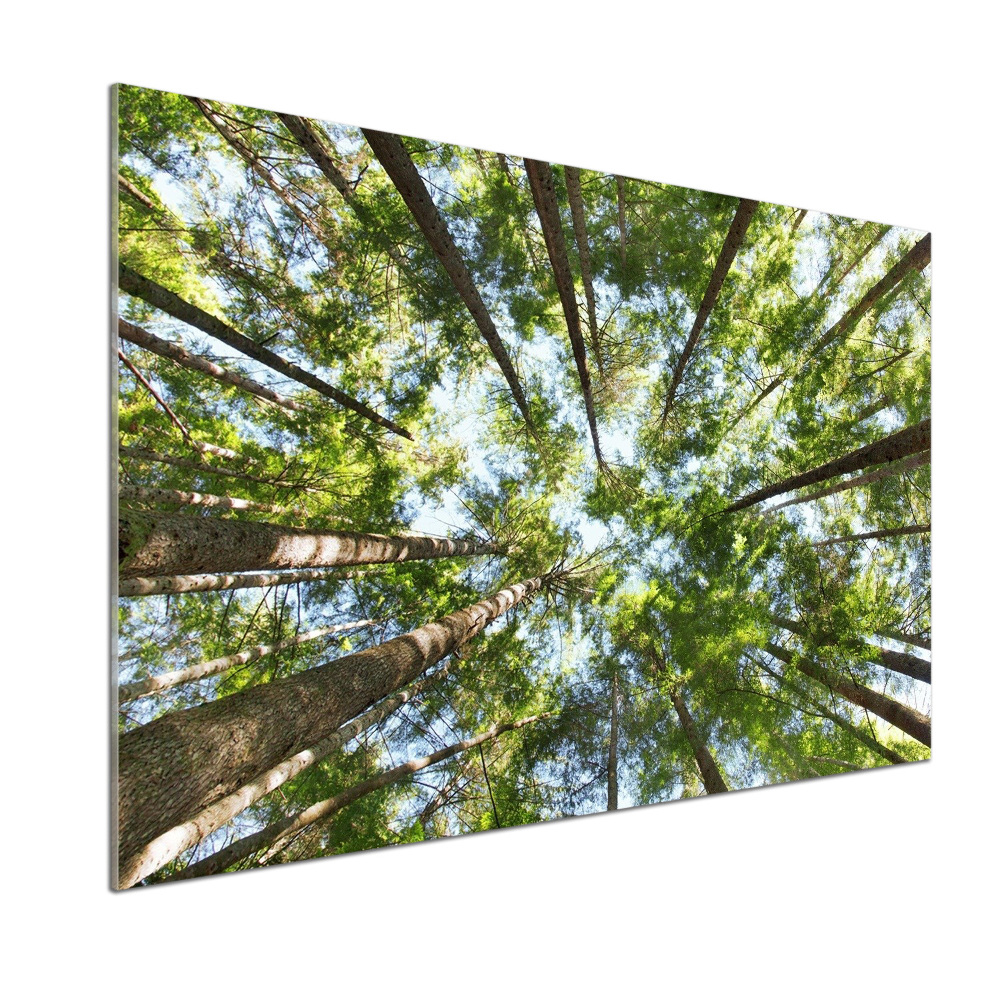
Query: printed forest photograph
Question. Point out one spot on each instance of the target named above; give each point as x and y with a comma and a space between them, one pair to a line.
459, 490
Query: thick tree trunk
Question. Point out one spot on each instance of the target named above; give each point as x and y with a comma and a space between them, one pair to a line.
915, 723
394, 158
177, 765
200, 583
734, 240
901, 663
865, 739
575, 195
169, 845
197, 363
909, 441
884, 472
145, 494
613, 748
283, 829
211, 668
168, 544
544, 194
307, 138
162, 298
910, 529
711, 776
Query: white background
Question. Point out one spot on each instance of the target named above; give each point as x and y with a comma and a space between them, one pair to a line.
881, 883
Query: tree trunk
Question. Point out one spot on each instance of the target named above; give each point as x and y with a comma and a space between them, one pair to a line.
544, 194
575, 194
167, 544
283, 829
734, 240
197, 363
884, 472
613, 748
799, 219
901, 663
307, 138
210, 668
144, 586
910, 529
912, 640
172, 768
394, 158
915, 723
710, 775
169, 845
908, 441
916, 260
145, 494
160, 297
865, 739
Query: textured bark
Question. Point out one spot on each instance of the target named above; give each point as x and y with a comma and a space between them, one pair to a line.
162, 298
575, 195
910, 529
177, 765
211, 668
912, 640
197, 363
613, 749
901, 663
734, 240
125, 186
544, 194
146, 494
916, 260
865, 739
200, 583
281, 830
307, 137
883, 472
168, 544
908, 441
169, 845
391, 153
909, 720
710, 775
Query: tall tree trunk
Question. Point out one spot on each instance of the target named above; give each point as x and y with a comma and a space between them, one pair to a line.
257, 166
916, 260
200, 583
711, 776
215, 470
150, 542
620, 189
575, 194
544, 194
613, 748
169, 845
910, 529
911, 640
908, 441
799, 219
734, 240
901, 663
391, 153
146, 494
172, 768
211, 668
915, 723
197, 363
283, 829
883, 472
865, 739
162, 298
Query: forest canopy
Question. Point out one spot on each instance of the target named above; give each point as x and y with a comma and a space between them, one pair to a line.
462, 490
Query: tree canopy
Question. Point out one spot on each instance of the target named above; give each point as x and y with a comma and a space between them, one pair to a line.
460, 490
